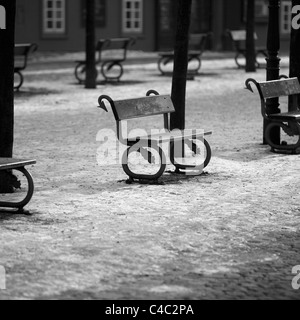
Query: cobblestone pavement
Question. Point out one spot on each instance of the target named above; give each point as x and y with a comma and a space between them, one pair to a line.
231, 233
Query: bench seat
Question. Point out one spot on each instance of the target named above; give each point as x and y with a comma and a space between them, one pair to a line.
171, 136
286, 116
196, 47
11, 163
238, 40
21, 54
110, 55
275, 123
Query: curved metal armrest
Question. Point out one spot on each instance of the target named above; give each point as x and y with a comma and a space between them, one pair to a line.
262, 100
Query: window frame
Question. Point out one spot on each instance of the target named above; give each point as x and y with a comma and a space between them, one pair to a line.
139, 20
285, 14
54, 32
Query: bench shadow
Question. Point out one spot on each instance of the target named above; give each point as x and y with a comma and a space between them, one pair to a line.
31, 92
110, 83
192, 77
208, 74
10, 214
34, 216
249, 152
167, 178
119, 83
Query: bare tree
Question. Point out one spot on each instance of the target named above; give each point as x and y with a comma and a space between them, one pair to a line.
250, 41
7, 42
181, 63
90, 82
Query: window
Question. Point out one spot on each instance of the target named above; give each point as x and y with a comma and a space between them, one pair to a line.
132, 16
286, 17
54, 16
100, 13
261, 10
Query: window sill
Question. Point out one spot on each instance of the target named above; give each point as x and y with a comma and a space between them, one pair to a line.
54, 36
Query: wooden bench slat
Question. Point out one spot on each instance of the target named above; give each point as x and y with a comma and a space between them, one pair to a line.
278, 88
286, 116
10, 163
141, 107
175, 135
240, 35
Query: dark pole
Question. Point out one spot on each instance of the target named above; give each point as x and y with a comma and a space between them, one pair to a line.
273, 64
294, 53
7, 43
180, 64
90, 82
250, 42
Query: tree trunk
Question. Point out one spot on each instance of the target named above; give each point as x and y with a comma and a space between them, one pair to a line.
295, 55
250, 41
7, 42
180, 63
90, 82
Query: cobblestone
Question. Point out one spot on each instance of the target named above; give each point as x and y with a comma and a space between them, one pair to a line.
231, 233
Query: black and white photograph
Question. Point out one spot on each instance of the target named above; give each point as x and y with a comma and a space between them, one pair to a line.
149, 153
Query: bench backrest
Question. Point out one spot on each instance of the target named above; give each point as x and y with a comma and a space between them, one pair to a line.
275, 89
21, 53
142, 107
279, 88
238, 37
116, 46
198, 41
138, 108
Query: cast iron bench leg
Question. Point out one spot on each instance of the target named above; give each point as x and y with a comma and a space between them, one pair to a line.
281, 147
21, 204
163, 61
21, 80
195, 70
179, 166
135, 148
80, 72
109, 65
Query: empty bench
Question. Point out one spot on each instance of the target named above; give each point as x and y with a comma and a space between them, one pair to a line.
238, 39
21, 54
111, 53
197, 45
156, 105
289, 122
7, 165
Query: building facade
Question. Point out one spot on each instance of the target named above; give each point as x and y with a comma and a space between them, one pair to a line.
59, 25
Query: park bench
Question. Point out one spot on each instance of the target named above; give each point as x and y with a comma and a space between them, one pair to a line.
288, 121
9, 164
21, 54
155, 105
197, 45
238, 39
111, 53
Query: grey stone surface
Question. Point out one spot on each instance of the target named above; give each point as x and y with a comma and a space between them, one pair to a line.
230, 233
